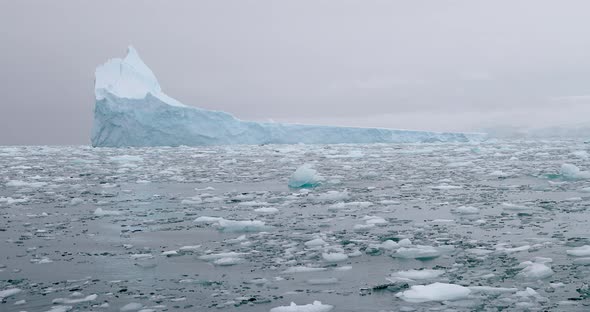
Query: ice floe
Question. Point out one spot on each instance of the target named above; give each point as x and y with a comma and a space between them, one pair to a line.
434, 292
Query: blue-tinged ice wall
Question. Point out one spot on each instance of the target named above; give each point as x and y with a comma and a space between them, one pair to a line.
131, 110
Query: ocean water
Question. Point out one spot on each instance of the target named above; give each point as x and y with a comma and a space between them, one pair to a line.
218, 228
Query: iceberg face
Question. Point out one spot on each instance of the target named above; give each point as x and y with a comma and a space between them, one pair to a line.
132, 110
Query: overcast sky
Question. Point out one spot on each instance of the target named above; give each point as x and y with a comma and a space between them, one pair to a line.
433, 65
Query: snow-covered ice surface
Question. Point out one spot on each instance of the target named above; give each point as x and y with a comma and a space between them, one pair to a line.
132, 110
219, 229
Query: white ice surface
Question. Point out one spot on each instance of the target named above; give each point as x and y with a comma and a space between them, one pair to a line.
316, 306
434, 292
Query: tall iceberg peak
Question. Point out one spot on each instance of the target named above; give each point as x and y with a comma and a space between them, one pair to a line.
128, 78
132, 110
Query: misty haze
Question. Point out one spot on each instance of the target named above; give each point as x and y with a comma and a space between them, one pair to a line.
294, 156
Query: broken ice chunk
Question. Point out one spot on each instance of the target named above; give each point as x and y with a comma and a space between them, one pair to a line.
316, 306
305, 176
434, 292
582, 251
418, 252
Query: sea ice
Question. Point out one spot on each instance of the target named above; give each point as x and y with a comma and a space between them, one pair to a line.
9, 292
132, 306
417, 252
570, 171
268, 210
466, 210
582, 251
434, 292
315, 242
316, 306
302, 269
536, 270
217, 256
59, 308
418, 274
74, 301
227, 261
334, 257
305, 176
241, 225
206, 219
101, 212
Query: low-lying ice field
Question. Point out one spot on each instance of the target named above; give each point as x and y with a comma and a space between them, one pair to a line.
456, 227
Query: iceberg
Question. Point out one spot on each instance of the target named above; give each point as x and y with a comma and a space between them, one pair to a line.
132, 111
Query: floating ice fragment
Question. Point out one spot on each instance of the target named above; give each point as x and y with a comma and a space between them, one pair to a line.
302, 269
227, 261
316, 306
581, 154
59, 308
388, 245
418, 274
10, 200
374, 220
241, 225
9, 292
466, 210
76, 201
205, 219
499, 174
418, 252
132, 306
142, 256
445, 187
514, 207
101, 212
529, 292
332, 196
356, 204
582, 261
19, 183
582, 251
479, 251
535, 270
362, 227
406, 242
44, 260
268, 210
74, 301
212, 257
322, 281
189, 248
334, 257
434, 292
170, 253
305, 176
570, 171
257, 281
492, 290
315, 242
502, 248
195, 200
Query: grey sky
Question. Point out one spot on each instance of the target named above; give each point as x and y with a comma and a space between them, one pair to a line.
435, 65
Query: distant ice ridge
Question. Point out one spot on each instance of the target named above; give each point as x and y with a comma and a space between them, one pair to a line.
132, 110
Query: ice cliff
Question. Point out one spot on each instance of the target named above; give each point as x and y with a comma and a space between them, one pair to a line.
132, 110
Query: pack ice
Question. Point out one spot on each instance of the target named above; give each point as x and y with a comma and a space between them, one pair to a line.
132, 110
